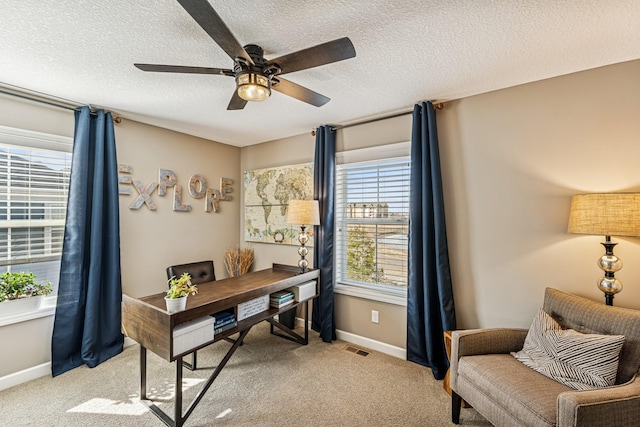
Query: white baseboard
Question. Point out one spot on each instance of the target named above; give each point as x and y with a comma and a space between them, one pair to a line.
25, 375
382, 347
37, 371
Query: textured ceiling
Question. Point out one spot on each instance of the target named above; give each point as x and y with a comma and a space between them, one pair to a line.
407, 51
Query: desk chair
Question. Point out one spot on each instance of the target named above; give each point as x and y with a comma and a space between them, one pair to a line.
201, 272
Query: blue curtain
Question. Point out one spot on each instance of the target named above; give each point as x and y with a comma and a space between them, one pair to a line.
430, 307
323, 318
87, 322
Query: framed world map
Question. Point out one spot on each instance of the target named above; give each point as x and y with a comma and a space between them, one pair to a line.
266, 196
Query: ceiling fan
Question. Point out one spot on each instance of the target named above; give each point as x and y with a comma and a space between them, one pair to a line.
255, 76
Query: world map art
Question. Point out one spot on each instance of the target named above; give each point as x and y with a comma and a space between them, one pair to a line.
266, 196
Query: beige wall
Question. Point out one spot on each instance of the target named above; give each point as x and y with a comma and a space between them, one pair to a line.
511, 161
150, 241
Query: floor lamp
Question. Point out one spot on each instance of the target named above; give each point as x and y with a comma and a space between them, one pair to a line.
606, 214
303, 213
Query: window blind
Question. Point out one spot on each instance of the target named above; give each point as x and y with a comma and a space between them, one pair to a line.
372, 209
34, 184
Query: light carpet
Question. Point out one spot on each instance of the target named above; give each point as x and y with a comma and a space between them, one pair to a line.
269, 381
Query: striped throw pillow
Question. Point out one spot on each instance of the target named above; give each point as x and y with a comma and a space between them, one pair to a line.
580, 361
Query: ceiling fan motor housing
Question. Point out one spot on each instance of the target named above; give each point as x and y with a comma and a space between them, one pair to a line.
252, 81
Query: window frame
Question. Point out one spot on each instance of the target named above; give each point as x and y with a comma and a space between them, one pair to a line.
37, 141
376, 292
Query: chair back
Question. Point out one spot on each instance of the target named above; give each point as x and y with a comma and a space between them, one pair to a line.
590, 317
200, 272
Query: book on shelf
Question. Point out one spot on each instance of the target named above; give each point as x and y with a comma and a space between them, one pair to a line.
280, 298
276, 304
218, 324
281, 294
224, 328
223, 316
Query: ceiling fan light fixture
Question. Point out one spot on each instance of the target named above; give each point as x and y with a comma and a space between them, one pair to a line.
253, 87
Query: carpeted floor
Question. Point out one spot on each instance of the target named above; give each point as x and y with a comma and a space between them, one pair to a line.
269, 381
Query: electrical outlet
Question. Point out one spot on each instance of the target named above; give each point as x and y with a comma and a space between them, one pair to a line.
375, 316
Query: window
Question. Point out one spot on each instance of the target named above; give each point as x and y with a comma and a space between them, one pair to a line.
34, 183
372, 221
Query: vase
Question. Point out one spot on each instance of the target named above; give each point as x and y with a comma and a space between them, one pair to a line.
176, 304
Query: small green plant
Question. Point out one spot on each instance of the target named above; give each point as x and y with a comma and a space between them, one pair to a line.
15, 285
181, 286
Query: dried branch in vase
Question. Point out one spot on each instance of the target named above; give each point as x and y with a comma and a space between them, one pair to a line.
237, 261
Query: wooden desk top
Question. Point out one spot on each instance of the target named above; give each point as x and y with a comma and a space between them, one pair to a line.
146, 320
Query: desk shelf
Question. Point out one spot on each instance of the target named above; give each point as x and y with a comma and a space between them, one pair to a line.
146, 321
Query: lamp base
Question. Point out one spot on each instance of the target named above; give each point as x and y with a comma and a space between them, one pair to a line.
608, 299
609, 263
303, 238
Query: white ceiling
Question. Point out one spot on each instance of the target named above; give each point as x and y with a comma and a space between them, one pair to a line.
406, 51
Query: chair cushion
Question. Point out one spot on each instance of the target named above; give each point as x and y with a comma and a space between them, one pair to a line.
580, 361
517, 390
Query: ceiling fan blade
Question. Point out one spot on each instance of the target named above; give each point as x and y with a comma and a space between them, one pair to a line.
236, 102
183, 69
326, 53
204, 14
300, 92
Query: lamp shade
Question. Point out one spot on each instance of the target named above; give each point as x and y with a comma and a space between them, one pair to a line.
605, 214
303, 212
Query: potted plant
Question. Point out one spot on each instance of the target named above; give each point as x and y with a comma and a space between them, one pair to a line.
18, 292
179, 290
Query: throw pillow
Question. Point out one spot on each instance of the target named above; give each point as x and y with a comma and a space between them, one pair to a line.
580, 361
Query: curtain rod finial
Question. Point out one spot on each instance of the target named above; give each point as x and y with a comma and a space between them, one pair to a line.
117, 119
313, 133
438, 106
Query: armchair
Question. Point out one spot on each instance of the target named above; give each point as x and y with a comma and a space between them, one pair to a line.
508, 393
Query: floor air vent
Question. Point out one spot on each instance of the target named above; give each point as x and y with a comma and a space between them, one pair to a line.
356, 350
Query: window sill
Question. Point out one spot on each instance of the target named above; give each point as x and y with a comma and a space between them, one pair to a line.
47, 308
354, 291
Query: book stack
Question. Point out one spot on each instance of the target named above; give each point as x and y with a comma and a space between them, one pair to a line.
225, 320
281, 298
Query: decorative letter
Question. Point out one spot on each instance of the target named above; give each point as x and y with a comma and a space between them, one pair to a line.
225, 189
166, 178
212, 200
124, 180
177, 200
196, 181
145, 195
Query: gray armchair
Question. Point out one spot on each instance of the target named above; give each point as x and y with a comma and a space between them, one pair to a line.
508, 393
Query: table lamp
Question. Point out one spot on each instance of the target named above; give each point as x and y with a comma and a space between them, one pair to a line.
303, 213
606, 214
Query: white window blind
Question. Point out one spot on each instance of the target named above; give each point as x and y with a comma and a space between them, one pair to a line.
372, 211
34, 183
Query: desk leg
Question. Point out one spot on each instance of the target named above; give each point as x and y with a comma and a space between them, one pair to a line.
177, 409
291, 334
143, 373
306, 322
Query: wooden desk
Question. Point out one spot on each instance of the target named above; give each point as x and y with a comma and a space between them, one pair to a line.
146, 321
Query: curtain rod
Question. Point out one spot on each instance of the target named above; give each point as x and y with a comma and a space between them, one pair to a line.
437, 106
43, 99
